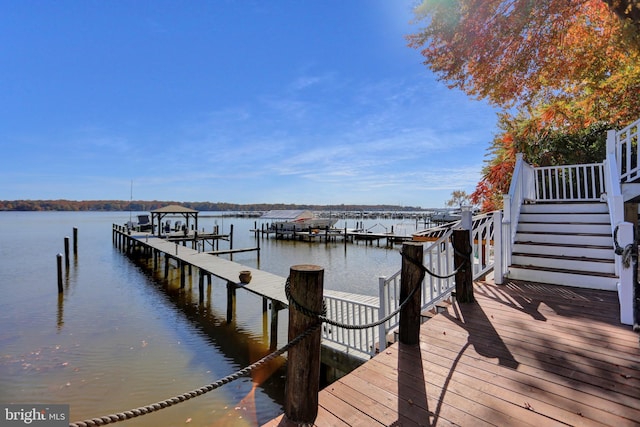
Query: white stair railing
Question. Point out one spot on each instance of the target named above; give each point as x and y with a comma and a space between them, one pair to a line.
626, 151
522, 189
621, 165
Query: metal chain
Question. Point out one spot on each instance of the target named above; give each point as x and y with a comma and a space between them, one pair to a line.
114, 418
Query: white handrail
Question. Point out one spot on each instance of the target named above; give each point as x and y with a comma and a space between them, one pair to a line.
438, 258
626, 151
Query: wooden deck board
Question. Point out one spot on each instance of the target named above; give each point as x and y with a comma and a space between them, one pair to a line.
524, 354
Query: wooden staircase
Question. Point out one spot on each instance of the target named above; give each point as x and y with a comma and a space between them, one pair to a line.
565, 244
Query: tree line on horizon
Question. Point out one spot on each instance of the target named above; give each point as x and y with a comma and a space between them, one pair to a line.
145, 206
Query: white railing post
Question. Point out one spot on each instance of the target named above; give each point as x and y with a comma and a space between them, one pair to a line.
498, 248
507, 238
625, 286
382, 313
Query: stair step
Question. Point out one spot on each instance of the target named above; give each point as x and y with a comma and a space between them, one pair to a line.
564, 227
566, 238
566, 244
569, 217
563, 249
564, 208
604, 281
566, 257
572, 263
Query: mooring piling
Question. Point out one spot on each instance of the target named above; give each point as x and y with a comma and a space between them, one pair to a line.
75, 241
59, 263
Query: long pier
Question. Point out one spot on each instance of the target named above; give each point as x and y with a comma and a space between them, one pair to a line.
338, 349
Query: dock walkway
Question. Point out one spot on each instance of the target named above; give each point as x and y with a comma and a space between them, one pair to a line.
344, 307
525, 354
263, 283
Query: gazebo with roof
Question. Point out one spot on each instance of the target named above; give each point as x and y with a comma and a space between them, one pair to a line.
160, 213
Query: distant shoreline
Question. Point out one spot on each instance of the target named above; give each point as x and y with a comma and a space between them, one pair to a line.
143, 206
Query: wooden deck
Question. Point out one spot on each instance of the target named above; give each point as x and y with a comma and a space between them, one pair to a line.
524, 355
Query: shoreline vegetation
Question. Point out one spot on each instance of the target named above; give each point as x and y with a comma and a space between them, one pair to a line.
143, 206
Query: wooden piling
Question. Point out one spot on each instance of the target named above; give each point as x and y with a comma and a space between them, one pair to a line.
231, 301
182, 273
75, 240
303, 366
410, 278
59, 263
462, 261
66, 252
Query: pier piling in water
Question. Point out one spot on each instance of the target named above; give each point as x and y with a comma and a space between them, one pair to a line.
75, 240
66, 252
59, 263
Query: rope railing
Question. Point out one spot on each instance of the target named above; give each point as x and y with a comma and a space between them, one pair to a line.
133, 413
322, 316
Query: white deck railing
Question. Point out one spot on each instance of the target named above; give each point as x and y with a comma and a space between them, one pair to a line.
521, 190
352, 312
438, 258
570, 183
493, 234
626, 144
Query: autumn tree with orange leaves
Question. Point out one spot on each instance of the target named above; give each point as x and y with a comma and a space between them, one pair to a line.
562, 70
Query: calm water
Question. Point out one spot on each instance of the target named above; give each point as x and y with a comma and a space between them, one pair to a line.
122, 336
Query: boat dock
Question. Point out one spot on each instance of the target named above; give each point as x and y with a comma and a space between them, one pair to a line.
345, 235
173, 251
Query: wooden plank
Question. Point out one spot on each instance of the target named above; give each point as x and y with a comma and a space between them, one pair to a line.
524, 354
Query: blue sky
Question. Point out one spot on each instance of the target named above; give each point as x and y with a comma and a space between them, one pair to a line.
285, 101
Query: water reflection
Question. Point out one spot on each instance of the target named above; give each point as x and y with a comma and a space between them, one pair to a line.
122, 336
240, 346
60, 312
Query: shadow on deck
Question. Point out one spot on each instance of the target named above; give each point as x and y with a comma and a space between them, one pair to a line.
523, 354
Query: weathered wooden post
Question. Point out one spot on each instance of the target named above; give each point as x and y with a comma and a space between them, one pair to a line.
410, 278
231, 301
303, 366
462, 261
181, 264
75, 240
66, 252
59, 262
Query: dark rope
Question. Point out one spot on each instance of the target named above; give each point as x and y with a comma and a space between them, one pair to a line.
322, 316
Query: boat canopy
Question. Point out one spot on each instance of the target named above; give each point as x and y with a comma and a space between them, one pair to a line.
288, 214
